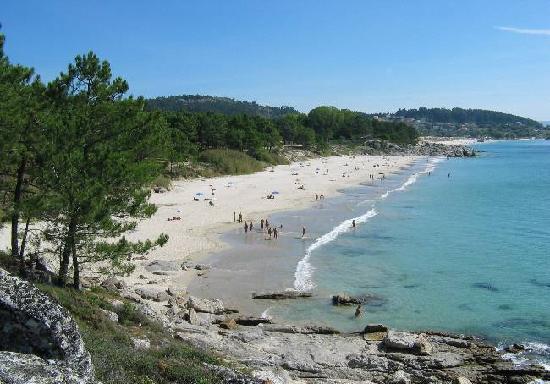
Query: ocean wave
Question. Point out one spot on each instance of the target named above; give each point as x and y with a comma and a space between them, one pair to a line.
534, 353
304, 270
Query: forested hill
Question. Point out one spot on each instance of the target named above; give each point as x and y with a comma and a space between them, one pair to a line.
225, 105
461, 116
469, 122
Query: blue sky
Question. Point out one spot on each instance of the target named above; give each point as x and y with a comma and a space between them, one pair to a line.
364, 55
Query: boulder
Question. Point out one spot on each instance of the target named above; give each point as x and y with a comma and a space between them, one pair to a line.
176, 291
40, 341
375, 328
113, 284
214, 306
191, 317
229, 324
407, 342
461, 380
152, 294
252, 321
110, 315
344, 299
290, 294
162, 265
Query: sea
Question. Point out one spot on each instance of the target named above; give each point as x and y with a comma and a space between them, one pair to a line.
459, 245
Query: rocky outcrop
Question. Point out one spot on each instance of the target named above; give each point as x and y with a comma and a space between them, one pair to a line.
382, 147
39, 341
283, 295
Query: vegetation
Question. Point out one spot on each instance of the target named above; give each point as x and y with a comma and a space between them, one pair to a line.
77, 156
115, 359
223, 105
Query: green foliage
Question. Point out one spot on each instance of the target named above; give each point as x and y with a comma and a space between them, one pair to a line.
228, 161
223, 105
114, 357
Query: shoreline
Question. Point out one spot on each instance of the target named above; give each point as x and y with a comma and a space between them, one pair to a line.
199, 232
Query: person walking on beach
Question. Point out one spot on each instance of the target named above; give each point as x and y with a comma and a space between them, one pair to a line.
353, 223
234, 216
266, 223
245, 227
262, 224
303, 231
269, 232
240, 217
250, 226
275, 233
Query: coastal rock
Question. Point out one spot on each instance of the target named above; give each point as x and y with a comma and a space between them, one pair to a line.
229, 324
344, 299
152, 294
214, 306
461, 380
400, 377
368, 299
176, 291
192, 317
113, 284
252, 321
373, 328
162, 266
40, 341
289, 294
406, 342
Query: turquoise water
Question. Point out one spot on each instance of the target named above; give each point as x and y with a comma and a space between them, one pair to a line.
467, 253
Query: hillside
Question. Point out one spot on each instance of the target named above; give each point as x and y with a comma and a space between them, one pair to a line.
469, 122
225, 105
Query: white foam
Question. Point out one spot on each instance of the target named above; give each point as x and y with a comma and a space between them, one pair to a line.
304, 270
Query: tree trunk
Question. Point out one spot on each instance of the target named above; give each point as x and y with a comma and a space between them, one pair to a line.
76, 268
24, 240
17, 194
66, 254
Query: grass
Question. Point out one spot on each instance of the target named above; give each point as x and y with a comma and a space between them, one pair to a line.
228, 161
110, 344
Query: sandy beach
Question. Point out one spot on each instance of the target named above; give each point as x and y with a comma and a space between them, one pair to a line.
197, 231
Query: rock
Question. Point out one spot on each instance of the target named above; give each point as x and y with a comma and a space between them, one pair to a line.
372, 328
228, 324
461, 380
400, 377
152, 294
176, 291
110, 315
177, 302
162, 266
113, 284
252, 321
514, 348
344, 299
192, 317
132, 296
141, 343
214, 306
407, 342
290, 294
40, 341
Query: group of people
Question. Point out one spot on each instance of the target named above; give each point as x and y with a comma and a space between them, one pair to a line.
272, 231
319, 197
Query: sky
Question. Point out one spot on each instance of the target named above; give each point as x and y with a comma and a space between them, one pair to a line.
365, 55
